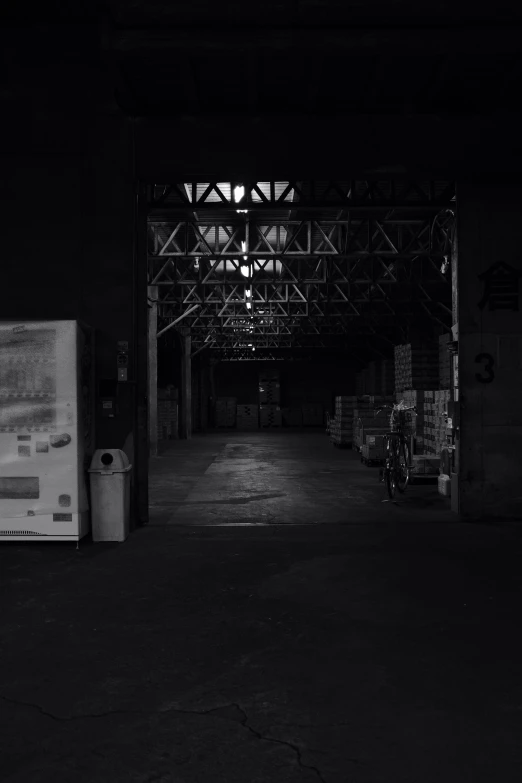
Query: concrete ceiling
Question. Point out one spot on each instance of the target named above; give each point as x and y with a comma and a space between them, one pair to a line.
310, 57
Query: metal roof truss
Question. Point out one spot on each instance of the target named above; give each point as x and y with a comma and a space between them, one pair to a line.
255, 283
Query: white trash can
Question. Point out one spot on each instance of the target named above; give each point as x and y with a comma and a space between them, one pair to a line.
110, 495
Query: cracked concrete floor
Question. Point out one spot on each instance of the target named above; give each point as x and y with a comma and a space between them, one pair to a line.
375, 652
274, 477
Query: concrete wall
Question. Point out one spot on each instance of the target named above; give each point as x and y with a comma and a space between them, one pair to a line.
490, 353
68, 208
69, 238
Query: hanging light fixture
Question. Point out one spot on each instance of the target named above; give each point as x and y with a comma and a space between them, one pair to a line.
239, 193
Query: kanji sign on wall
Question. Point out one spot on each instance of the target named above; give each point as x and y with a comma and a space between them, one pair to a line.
501, 287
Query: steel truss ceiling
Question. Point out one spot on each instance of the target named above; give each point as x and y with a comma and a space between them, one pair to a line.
299, 264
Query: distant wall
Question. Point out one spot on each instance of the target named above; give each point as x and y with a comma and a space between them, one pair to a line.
301, 382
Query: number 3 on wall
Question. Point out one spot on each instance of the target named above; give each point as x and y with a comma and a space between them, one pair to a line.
488, 367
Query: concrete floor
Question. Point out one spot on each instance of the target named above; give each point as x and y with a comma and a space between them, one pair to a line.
384, 646
288, 476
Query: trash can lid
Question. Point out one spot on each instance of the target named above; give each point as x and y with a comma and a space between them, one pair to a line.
113, 460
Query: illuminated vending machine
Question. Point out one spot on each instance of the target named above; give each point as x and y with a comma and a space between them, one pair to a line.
46, 429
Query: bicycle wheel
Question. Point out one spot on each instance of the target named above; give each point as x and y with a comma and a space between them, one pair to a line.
403, 466
390, 469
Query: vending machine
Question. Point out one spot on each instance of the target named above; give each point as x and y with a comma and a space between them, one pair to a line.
46, 429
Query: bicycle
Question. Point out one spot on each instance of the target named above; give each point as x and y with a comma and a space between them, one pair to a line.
397, 465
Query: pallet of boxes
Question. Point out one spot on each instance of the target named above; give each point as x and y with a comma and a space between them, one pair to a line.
270, 400
370, 427
167, 413
341, 425
226, 412
416, 376
443, 437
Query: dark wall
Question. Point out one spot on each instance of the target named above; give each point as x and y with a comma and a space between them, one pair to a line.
416, 146
69, 208
71, 161
169, 360
68, 249
301, 382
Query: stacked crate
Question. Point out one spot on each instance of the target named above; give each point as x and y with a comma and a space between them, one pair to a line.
365, 421
226, 412
444, 362
362, 410
313, 414
167, 419
247, 417
269, 388
270, 416
416, 366
374, 450
341, 425
414, 424
422, 464
436, 406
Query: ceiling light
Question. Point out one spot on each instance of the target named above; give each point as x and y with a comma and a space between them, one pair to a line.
239, 193
245, 270
249, 305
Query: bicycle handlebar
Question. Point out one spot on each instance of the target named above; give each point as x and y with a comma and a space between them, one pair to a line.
397, 408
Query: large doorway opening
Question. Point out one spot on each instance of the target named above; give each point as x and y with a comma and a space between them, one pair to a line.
315, 286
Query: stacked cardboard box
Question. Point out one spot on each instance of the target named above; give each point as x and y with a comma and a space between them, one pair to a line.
367, 422
374, 448
247, 417
292, 417
167, 419
436, 406
429, 425
414, 424
313, 414
341, 425
444, 361
226, 412
269, 388
424, 465
416, 366
270, 416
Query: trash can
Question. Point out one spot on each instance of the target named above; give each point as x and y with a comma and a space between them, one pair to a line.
110, 495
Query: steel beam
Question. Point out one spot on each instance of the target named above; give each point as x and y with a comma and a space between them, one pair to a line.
152, 374
275, 239
338, 40
173, 323
301, 196
186, 386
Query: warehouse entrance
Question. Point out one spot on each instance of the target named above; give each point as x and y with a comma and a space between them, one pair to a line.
293, 309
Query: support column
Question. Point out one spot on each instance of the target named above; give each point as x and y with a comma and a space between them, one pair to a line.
186, 385
212, 384
152, 370
204, 392
490, 350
